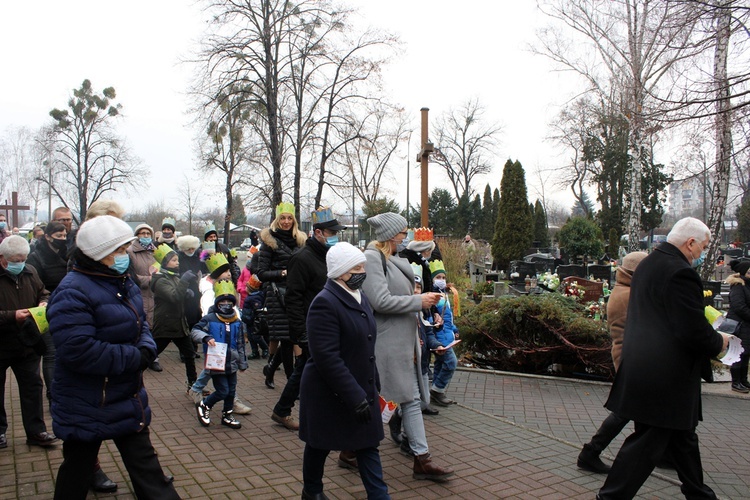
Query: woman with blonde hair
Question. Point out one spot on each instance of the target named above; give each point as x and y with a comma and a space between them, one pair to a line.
390, 288
278, 243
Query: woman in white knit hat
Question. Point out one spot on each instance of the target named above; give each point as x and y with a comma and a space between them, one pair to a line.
339, 401
103, 344
390, 288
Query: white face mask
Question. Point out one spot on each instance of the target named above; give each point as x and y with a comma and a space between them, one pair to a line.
439, 284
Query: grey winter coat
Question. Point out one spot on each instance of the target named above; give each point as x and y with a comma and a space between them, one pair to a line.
397, 350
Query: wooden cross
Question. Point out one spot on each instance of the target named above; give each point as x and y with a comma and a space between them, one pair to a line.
14, 207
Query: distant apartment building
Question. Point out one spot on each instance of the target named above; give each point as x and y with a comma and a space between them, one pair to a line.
686, 198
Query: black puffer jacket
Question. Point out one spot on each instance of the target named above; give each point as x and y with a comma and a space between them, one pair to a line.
273, 258
50, 265
739, 306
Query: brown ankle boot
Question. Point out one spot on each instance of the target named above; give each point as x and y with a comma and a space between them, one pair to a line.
424, 468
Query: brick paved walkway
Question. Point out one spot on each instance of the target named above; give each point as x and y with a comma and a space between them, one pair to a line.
509, 437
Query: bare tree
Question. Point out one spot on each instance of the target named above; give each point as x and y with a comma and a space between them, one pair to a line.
189, 195
630, 45
465, 145
90, 159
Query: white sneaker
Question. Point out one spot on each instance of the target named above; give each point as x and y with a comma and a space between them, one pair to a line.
240, 408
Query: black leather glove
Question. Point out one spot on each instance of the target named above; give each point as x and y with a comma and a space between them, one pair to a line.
188, 276
189, 293
147, 357
362, 413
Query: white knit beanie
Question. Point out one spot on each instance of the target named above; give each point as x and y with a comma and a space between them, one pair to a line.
342, 257
100, 236
387, 225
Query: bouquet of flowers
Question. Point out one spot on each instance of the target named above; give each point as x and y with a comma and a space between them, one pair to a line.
549, 281
573, 289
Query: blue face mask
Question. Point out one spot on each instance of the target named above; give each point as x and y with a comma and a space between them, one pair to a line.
331, 240
402, 246
700, 260
3, 225
122, 262
15, 268
145, 241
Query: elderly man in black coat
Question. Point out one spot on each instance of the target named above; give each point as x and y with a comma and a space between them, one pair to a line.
667, 343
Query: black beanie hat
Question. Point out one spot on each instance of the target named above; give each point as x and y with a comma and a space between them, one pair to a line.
740, 266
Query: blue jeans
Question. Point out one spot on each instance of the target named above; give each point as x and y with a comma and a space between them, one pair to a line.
226, 386
202, 381
442, 373
370, 470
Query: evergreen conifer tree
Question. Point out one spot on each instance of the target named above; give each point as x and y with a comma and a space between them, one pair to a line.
487, 221
514, 229
541, 231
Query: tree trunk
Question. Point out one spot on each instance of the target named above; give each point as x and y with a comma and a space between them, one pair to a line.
723, 135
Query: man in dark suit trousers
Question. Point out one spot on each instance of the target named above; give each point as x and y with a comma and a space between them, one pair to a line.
668, 342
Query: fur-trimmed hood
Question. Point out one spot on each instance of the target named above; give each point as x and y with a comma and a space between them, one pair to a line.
269, 239
734, 279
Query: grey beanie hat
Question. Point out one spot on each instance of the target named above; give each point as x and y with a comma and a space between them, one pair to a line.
100, 236
387, 225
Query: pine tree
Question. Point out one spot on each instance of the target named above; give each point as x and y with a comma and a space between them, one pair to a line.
488, 216
541, 231
514, 228
743, 219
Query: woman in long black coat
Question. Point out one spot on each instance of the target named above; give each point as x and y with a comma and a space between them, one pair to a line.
739, 310
279, 243
339, 401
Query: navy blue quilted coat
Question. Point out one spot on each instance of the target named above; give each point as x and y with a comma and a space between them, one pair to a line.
98, 324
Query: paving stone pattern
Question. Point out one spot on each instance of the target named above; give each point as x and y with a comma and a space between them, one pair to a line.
509, 437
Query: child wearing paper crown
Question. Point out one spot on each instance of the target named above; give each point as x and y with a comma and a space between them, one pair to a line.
222, 325
445, 363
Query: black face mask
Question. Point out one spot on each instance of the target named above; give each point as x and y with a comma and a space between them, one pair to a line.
225, 309
59, 245
355, 280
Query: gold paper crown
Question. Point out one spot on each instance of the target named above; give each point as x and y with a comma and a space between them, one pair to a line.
216, 261
437, 267
223, 288
161, 252
284, 208
423, 234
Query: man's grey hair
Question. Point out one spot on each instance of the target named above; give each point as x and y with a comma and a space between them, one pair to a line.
687, 228
14, 246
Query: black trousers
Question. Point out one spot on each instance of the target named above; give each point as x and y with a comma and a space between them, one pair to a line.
610, 428
26, 370
138, 455
637, 458
290, 393
284, 354
187, 350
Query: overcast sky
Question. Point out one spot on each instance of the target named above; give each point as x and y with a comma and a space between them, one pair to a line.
449, 56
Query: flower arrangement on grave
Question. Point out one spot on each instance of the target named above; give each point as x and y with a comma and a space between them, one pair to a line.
573, 290
549, 280
595, 309
483, 288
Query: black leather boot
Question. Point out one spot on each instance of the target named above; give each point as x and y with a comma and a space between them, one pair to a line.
102, 483
589, 460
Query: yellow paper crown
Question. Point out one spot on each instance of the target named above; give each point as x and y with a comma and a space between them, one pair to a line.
223, 288
437, 267
161, 252
215, 261
39, 315
423, 234
284, 208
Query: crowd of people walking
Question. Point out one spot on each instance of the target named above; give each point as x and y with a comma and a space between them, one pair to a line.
351, 328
